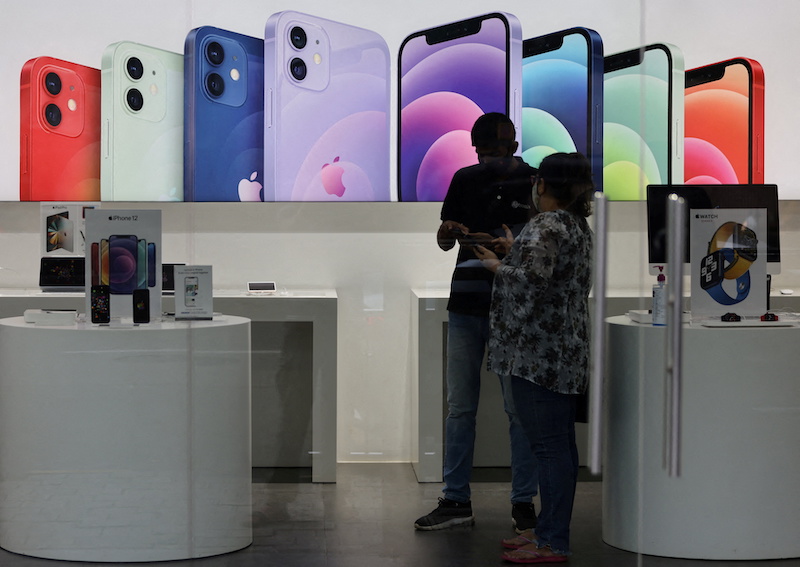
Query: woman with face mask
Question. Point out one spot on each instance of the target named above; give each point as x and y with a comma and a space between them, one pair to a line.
539, 337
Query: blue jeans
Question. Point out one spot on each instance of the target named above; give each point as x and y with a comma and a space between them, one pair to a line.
466, 343
549, 421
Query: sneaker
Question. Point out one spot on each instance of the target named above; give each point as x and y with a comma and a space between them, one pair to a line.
523, 516
449, 513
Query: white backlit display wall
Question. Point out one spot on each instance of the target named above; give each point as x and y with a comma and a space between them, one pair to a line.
371, 253
332, 118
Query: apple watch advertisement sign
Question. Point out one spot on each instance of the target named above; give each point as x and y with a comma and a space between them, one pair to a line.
728, 252
123, 265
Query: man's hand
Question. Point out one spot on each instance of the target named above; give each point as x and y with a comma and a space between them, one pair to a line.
448, 234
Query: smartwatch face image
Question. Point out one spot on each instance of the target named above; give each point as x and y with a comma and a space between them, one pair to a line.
745, 243
712, 270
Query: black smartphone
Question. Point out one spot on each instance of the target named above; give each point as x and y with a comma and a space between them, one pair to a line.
141, 305
101, 304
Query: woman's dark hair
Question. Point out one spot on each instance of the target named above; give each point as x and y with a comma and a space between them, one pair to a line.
568, 178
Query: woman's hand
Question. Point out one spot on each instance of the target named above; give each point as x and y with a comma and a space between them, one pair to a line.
503, 244
487, 257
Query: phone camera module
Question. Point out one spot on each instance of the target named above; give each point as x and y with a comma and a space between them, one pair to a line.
53, 115
215, 53
298, 69
298, 37
215, 84
52, 82
135, 68
135, 99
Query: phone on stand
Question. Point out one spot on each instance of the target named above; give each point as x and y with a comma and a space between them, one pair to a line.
724, 133
141, 305
142, 124
190, 284
104, 267
326, 132
100, 304
59, 146
562, 97
223, 116
643, 120
449, 76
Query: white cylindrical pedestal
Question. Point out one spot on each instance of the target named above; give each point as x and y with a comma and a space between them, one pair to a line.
125, 444
738, 494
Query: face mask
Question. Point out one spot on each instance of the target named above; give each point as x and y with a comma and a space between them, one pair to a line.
535, 198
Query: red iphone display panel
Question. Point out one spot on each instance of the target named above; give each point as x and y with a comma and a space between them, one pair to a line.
724, 132
59, 131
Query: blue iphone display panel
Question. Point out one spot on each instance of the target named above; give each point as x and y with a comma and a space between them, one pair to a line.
562, 97
223, 116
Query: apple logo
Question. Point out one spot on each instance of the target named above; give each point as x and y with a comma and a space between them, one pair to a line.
250, 189
332, 178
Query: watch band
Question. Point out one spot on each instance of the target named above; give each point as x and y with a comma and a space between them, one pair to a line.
713, 274
743, 242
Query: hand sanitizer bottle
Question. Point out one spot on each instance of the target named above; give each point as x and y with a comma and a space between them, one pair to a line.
660, 302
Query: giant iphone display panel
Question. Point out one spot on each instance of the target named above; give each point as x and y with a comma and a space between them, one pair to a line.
326, 132
725, 123
562, 97
448, 76
223, 116
643, 130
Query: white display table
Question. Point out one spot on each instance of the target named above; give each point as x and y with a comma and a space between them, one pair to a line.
738, 494
125, 444
317, 307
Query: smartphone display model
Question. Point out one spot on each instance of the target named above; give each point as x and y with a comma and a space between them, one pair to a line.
104, 268
562, 97
100, 304
448, 77
326, 131
190, 286
141, 305
94, 253
151, 264
141, 264
59, 232
123, 251
142, 124
223, 116
59, 146
643, 120
724, 132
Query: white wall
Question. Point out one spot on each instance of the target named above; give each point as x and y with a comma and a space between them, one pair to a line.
372, 254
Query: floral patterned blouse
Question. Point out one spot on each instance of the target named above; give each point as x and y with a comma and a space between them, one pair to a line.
540, 304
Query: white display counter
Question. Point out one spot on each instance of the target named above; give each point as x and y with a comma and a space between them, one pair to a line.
317, 307
738, 492
128, 443
428, 396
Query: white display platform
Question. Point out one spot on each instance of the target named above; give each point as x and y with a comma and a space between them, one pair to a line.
428, 391
128, 443
315, 306
737, 495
